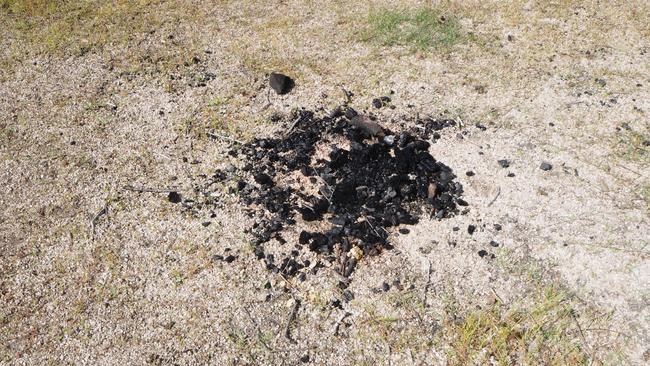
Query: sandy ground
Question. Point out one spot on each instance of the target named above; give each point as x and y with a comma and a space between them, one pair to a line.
93, 273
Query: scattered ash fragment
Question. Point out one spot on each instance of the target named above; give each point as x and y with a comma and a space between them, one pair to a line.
341, 184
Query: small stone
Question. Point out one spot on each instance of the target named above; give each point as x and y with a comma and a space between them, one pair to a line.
546, 166
348, 295
344, 284
350, 113
431, 190
282, 84
469, 173
494, 243
482, 253
498, 227
241, 185
471, 229
398, 285
206, 223
174, 197
418, 145
367, 125
455, 228
276, 117
377, 103
404, 231
385, 287
230, 259
510, 175
263, 179
337, 112
304, 237
389, 140
646, 143
304, 359
504, 163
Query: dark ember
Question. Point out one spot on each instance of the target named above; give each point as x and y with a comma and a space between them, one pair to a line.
356, 183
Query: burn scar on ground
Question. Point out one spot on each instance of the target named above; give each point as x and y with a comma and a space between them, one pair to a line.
341, 185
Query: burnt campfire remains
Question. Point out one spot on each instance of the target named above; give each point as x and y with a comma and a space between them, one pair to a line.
341, 184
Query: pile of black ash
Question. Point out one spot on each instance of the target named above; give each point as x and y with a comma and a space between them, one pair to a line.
350, 178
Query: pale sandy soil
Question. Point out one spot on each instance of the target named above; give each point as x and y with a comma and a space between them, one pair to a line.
137, 284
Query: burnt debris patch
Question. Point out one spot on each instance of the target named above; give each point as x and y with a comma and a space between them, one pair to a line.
347, 183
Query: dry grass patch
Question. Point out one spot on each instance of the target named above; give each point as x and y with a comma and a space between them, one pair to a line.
56, 26
137, 33
547, 330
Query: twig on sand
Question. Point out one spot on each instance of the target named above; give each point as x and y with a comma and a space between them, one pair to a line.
93, 222
294, 124
151, 190
339, 321
348, 96
496, 295
224, 137
292, 317
372, 227
331, 190
257, 330
607, 330
264, 107
582, 335
495, 197
426, 286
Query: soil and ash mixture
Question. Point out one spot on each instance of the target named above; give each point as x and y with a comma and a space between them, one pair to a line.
342, 183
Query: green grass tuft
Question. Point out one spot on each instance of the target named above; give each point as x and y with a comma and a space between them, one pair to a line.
420, 29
